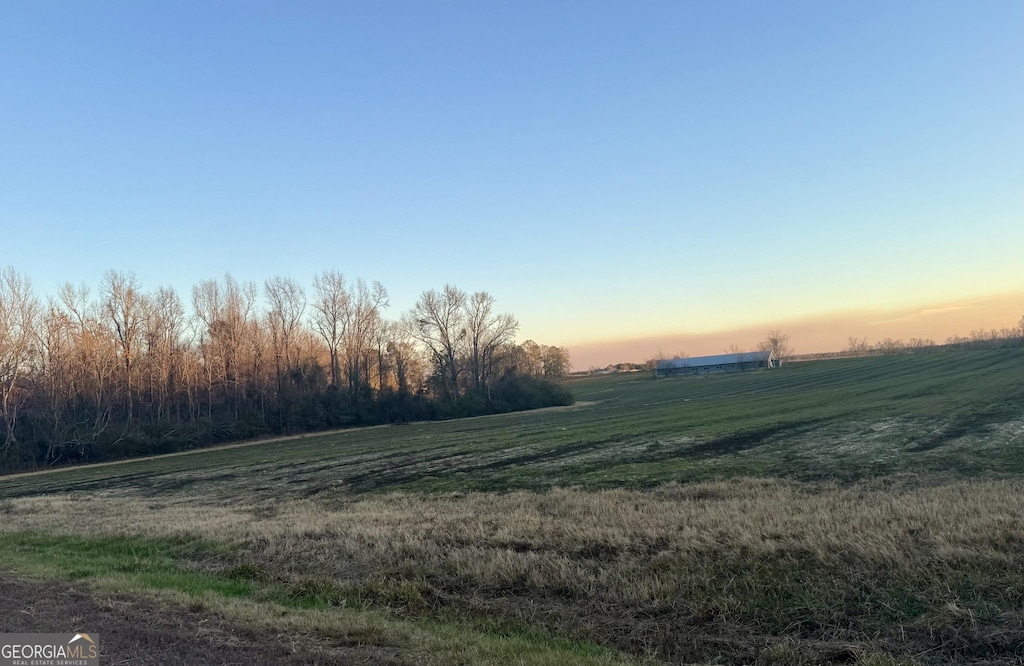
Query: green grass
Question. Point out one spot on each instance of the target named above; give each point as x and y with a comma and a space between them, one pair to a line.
861, 510
947, 415
155, 564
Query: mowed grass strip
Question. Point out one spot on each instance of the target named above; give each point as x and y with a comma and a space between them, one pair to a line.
943, 414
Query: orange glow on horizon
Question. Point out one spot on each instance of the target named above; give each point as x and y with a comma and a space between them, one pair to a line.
822, 333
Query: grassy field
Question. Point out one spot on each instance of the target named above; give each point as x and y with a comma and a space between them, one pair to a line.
860, 510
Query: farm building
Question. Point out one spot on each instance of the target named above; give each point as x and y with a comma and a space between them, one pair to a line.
701, 365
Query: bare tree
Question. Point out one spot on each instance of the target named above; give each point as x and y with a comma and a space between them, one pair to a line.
487, 332
857, 346
193, 373
124, 306
363, 317
437, 320
164, 329
405, 359
57, 381
225, 311
255, 345
919, 344
777, 342
380, 338
330, 305
19, 311
96, 355
891, 346
741, 356
208, 306
556, 361
84, 374
531, 359
287, 303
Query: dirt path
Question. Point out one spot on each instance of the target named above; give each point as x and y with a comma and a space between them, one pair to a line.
140, 632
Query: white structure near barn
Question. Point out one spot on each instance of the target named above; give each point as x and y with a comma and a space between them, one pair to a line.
703, 365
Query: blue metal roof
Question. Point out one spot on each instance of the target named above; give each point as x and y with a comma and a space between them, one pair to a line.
718, 359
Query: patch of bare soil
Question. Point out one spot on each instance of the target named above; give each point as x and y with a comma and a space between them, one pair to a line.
140, 632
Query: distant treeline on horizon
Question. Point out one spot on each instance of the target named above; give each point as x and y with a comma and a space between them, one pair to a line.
129, 372
978, 339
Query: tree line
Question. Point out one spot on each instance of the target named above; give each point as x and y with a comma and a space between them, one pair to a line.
126, 372
978, 339
778, 342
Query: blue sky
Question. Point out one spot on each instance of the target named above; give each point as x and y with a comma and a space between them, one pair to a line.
606, 170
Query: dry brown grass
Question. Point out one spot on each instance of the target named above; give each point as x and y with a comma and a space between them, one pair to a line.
743, 569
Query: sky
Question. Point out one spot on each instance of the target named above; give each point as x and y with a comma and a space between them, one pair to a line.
609, 171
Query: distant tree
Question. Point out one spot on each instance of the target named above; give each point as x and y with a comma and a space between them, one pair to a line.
741, 355
531, 359
777, 342
891, 346
919, 344
957, 341
652, 362
857, 346
556, 362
